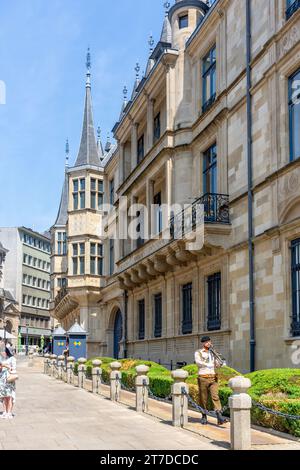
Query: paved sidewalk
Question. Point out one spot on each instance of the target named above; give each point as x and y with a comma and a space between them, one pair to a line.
52, 415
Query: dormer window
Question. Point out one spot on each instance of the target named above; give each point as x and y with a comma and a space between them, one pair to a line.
183, 21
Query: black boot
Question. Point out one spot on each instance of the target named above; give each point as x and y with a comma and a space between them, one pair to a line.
221, 419
203, 420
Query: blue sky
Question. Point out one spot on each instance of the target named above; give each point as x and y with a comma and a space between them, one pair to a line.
43, 47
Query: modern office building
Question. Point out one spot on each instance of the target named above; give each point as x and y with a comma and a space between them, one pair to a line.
213, 124
27, 277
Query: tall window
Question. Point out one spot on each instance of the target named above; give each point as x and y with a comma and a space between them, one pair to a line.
82, 193
296, 287
183, 21
141, 306
75, 194
61, 243
214, 302
78, 259
111, 257
158, 212
97, 191
96, 267
209, 79
79, 194
210, 177
157, 129
112, 191
291, 7
158, 316
294, 111
141, 149
187, 309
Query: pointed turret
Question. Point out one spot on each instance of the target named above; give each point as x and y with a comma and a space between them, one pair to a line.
150, 60
88, 152
108, 144
62, 215
166, 34
125, 102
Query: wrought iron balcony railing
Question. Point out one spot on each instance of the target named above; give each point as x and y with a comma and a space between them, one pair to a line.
292, 9
210, 208
295, 329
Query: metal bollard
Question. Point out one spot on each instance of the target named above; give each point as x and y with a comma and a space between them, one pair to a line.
141, 386
180, 391
240, 404
70, 369
81, 372
30, 360
60, 363
96, 375
115, 381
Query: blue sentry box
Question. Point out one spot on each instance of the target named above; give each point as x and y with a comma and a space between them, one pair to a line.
59, 341
77, 341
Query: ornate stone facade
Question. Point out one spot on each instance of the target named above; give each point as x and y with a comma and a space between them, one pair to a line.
171, 166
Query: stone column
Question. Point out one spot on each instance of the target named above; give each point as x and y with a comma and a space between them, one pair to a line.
134, 139
141, 385
240, 404
70, 370
115, 381
180, 400
171, 96
81, 372
97, 375
60, 363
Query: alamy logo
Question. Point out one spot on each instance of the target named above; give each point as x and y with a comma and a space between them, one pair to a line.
2, 92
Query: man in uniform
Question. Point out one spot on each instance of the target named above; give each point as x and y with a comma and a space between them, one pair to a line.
208, 380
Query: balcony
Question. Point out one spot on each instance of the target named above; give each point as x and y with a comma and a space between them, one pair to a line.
210, 208
292, 9
295, 328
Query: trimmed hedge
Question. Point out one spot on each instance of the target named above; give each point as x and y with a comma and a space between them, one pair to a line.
278, 389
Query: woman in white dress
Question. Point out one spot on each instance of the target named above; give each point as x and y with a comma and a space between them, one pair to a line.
8, 390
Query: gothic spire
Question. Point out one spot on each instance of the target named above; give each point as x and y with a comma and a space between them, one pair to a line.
88, 152
62, 215
99, 144
166, 34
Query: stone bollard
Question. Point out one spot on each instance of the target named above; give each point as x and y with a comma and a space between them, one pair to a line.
141, 386
240, 404
30, 359
53, 359
81, 372
180, 400
115, 381
46, 363
60, 363
96, 375
70, 369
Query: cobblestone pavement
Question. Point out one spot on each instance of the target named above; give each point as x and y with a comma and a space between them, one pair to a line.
52, 415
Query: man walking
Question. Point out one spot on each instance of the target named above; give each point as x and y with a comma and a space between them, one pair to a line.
208, 380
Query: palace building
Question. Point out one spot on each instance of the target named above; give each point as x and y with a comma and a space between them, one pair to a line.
213, 123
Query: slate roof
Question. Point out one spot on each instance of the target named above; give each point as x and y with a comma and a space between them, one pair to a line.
166, 34
88, 151
62, 215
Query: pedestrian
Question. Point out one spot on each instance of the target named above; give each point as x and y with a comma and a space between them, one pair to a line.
208, 380
2, 345
8, 382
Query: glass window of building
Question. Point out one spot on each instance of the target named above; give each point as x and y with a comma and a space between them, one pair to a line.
214, 302
112, 191
183, 21
141, 308
141, 149
209, 74
157, 128
158, 315
291, 7
294, 112
295, 254
187, 309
